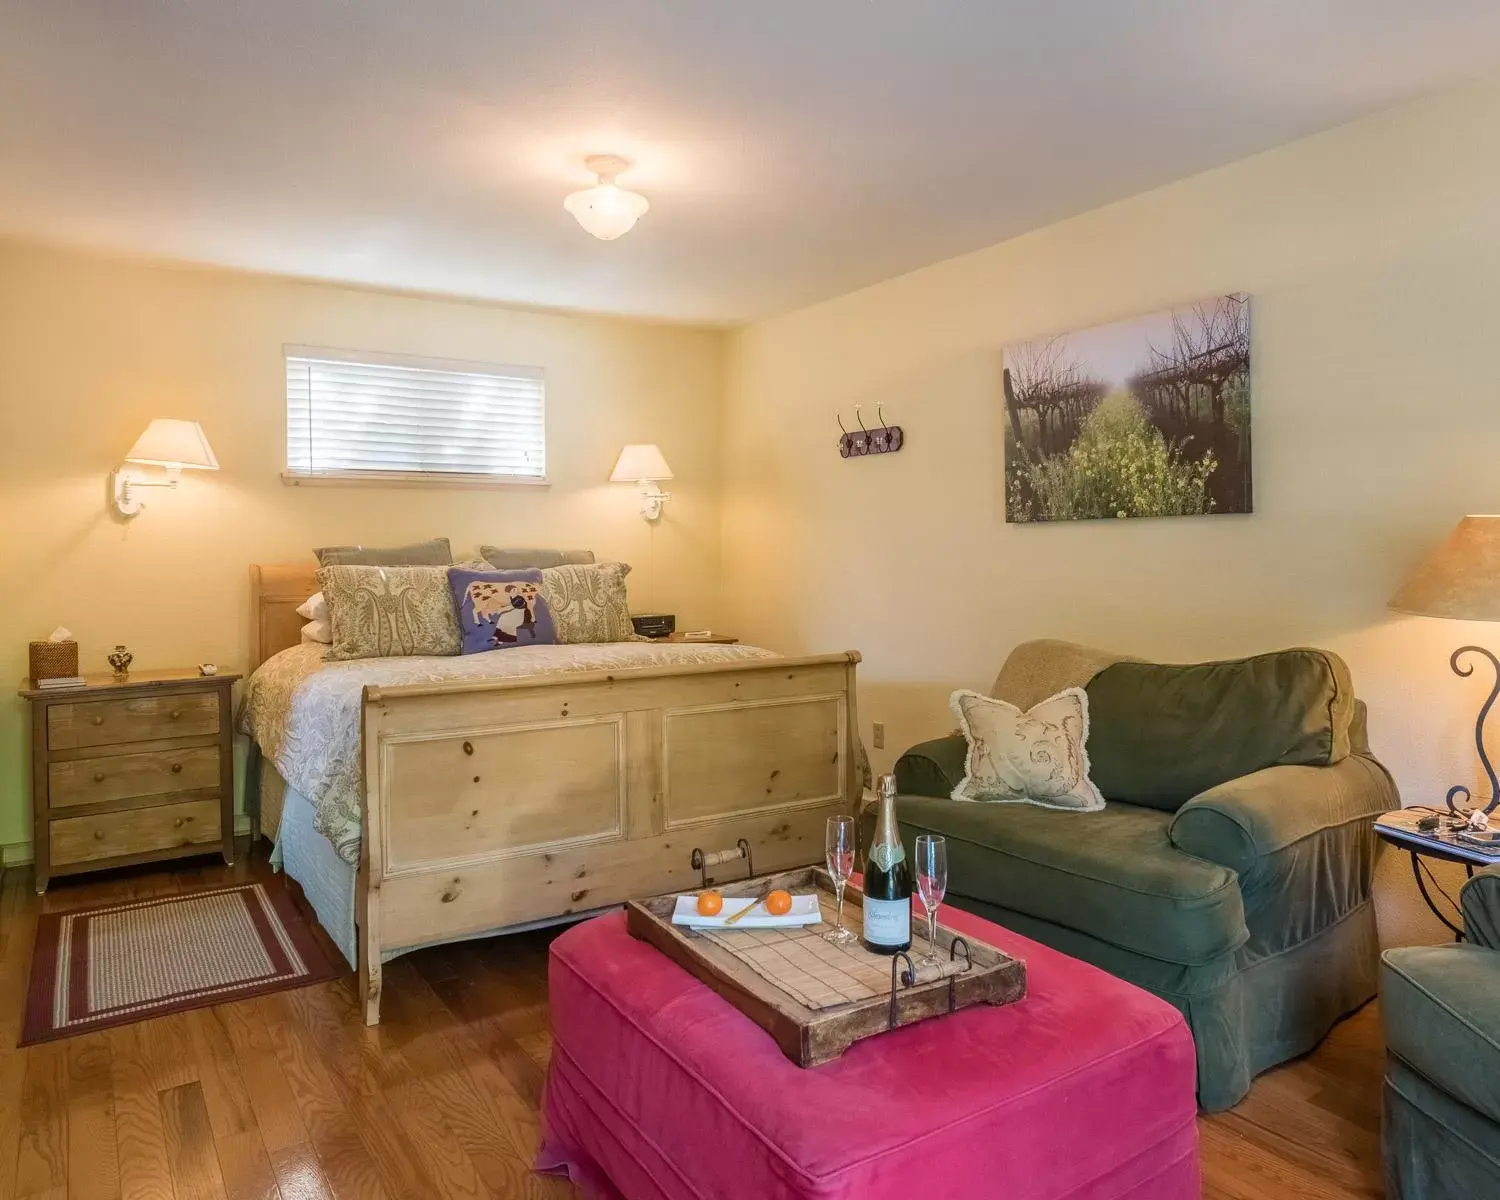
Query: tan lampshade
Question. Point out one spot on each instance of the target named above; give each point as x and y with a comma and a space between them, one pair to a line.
173, 444
1460, 579
640, 461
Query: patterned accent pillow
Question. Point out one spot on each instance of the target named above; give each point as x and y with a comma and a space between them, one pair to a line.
498, 609
1034, 757
589, 603
389, 612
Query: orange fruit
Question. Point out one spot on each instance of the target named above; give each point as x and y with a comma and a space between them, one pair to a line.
779, 903
710, 904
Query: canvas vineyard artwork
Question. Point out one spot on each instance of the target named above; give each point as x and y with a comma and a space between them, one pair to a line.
1142, 418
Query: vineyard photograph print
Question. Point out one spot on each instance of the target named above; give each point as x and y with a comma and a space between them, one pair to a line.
1148, 417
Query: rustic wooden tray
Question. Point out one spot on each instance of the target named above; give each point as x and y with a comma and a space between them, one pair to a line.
812, 1022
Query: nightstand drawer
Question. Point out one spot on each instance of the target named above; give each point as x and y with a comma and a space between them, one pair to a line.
139, 719
139, 831
124, 776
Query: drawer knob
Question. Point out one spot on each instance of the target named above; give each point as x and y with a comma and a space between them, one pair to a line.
98, 776
177, 824
98, 720
175, 713
176, 768
98, 835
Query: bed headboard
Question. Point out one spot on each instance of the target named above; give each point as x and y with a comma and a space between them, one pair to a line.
275, 592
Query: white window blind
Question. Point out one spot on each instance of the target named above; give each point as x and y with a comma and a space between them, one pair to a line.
369, 416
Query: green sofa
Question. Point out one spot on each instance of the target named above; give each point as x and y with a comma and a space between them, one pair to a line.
1441, 1009
1230, 870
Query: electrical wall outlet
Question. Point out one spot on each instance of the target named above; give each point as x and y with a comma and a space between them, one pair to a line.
880, 735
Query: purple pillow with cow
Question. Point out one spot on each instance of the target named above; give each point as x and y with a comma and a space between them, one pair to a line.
500, 609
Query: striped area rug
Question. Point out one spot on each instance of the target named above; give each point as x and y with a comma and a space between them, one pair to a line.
120, 963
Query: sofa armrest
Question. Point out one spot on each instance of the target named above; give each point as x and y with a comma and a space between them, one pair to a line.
1242, 823
932, 768
1480, 900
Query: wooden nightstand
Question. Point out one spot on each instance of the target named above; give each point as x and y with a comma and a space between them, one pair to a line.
716, 639
131, 771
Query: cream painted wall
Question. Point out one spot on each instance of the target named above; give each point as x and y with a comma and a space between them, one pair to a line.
1373, 256
92, 349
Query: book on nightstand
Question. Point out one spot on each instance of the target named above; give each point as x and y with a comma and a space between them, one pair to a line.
62, 681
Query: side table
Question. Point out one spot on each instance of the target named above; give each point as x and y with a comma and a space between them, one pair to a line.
1399, 828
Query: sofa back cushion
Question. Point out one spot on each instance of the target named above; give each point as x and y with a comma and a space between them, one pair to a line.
1160, 734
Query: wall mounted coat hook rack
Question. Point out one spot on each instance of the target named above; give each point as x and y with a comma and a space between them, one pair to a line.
885, 440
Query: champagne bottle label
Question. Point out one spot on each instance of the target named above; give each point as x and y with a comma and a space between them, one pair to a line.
887, 922
886, 855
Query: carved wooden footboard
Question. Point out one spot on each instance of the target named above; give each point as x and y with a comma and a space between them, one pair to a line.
496, 804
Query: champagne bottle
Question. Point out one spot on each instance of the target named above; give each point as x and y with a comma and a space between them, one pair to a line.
887, 909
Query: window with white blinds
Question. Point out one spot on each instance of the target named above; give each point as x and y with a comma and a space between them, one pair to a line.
370, 416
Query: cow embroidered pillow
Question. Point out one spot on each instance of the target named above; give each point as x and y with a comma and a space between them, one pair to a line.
500, 609
1039, 756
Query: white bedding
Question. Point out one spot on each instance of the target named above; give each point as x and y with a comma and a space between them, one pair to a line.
305, 713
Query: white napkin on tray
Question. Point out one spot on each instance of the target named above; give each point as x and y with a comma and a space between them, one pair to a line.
805, 911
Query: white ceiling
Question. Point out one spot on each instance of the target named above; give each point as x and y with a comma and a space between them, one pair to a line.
791, 149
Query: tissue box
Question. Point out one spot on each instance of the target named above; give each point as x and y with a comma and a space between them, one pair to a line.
53, 660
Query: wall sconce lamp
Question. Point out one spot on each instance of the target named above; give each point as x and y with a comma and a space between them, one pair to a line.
166, 443
643, 464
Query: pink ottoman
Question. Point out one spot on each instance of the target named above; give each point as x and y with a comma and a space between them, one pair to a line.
660, 1090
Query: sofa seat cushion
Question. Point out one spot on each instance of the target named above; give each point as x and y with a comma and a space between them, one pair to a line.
1112, 874
1441, 1019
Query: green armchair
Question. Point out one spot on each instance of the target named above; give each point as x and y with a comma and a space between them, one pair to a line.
1230, 870
1441, 1008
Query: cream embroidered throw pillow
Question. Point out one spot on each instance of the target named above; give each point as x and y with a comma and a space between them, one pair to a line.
1034, 757
388, 612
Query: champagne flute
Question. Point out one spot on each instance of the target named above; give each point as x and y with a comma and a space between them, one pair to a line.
838, 844
932, 883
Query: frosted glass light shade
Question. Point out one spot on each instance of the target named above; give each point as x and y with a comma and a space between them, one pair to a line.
640, 461
607, 210
1460, 578
173, 444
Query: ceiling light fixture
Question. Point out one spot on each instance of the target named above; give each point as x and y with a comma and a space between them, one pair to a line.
607, 210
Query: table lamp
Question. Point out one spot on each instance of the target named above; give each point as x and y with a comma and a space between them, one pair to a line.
1460, 580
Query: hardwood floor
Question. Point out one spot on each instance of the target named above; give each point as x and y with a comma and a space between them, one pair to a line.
290, 1096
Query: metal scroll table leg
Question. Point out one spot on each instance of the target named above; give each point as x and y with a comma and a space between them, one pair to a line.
1416, 870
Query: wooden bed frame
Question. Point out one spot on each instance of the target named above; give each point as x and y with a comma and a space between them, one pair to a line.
490, 805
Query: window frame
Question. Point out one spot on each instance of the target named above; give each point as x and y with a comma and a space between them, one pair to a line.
439, 479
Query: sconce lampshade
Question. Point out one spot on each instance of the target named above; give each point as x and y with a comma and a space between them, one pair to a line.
173, 444
1460, 579
641, 461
